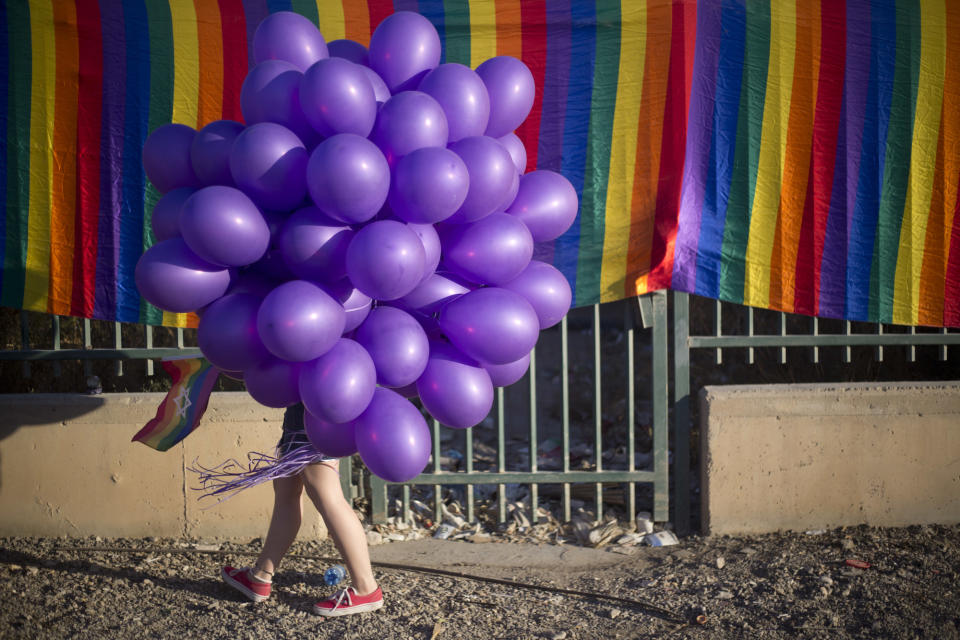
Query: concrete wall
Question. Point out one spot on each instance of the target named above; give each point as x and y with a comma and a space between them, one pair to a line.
814, 456
68, 467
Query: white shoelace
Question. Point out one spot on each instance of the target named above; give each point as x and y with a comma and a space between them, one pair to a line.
339, 596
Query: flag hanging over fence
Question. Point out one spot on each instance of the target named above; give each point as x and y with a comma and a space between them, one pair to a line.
798, 155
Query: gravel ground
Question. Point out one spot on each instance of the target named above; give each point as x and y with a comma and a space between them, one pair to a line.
773, 586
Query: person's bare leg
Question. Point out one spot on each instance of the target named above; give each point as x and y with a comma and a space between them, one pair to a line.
284, 525
322, 482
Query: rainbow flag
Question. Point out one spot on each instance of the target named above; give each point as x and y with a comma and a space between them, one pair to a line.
799, 155
180, 412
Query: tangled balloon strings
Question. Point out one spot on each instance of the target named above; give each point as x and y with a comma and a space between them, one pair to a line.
232, 476
364, 237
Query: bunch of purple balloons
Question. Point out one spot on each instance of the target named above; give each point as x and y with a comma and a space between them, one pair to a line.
366, 237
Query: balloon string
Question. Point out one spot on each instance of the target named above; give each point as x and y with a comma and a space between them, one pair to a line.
230, 477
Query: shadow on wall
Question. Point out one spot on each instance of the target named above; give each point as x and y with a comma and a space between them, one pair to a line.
27, 410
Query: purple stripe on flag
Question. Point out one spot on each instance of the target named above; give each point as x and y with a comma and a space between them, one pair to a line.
556, 82
111, 158
699, 131
843, 202
255, 11
410, 5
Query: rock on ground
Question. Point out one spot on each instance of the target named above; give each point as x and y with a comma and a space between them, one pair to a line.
787, 585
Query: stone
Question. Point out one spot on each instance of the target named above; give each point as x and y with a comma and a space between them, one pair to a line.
721, 563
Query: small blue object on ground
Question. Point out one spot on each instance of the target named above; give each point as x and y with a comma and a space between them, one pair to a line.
334, 575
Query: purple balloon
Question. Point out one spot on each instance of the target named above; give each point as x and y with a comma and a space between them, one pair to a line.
397, 344
299, 321
269, 163
356, 308
173, 278
491, 325
165, 219
271, 93
210, 152
408, 391
403, 48
223, 226
432, 293
547, 203
313, 246
252, 283
491, 174
511, 88
386, 260
338, 385
227, 334
493, 250
428, 185
380, 91
271, 267
331, 439
166, 157
463, 96
348, 178
503, 375
337, 97
273, 382
348, 50
409, 121
546, 289
288, 36
511, 194
431, 246
340, 290
455, 389
392, 437
514, 146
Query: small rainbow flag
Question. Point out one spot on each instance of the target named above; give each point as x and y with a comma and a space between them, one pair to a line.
180, 412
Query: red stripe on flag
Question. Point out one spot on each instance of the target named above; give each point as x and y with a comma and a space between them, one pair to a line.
826, 126
673, 145
534, 49
379, 9
234, 34
89, 112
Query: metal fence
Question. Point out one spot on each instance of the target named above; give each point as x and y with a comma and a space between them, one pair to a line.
601, 377
541, 396
745, 334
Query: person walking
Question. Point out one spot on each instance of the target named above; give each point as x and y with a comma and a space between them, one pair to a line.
321, 480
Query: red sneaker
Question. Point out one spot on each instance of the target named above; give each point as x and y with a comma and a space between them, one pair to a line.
346, 602
240, 580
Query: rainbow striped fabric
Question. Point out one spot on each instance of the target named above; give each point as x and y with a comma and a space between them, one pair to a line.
180, 412
800, 155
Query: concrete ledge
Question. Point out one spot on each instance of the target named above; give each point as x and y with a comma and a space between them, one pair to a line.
811, 456
67, 467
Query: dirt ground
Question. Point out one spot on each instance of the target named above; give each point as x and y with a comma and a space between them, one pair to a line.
790, 585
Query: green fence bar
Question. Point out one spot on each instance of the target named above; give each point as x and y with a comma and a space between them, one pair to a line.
660, 399
25, 341
533, 432
631, 500
55, 328
565, 415
597, 409
148, 340
118, 345
681, 411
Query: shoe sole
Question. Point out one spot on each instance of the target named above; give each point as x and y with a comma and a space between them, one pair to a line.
239, 586
347, 611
